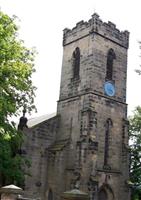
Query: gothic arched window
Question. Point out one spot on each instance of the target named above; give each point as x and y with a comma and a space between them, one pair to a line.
102, 195
108, 126
50, 195
76, 63
110, 59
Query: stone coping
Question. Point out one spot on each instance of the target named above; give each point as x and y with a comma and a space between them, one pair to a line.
75, 194
11, 189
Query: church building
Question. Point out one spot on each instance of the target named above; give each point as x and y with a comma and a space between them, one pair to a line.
85, 144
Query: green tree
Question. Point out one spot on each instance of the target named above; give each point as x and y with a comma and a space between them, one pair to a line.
16, 92
135, 152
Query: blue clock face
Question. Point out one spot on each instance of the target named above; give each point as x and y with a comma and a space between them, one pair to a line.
109, 89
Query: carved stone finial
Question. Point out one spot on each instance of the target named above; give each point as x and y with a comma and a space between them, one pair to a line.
95, 15
23, 121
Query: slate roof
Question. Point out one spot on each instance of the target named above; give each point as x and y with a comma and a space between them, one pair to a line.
37, 120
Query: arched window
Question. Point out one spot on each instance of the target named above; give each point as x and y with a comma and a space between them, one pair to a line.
102, 195
107, 134
50, 195
76, 63
110, 59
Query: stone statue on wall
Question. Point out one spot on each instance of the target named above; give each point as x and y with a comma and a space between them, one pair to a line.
23, 121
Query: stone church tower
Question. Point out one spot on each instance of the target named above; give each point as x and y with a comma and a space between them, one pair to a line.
85, 145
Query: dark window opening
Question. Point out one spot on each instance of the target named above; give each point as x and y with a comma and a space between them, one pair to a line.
107, 134
102, 195
76, 63
110, 59
50, 195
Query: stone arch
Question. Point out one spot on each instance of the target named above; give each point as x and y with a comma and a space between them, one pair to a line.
105, 193
110, 59
76, 62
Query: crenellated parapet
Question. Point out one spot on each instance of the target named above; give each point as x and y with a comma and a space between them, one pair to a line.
96, 26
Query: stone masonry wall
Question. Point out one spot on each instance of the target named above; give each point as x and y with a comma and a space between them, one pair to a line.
96, 25
87, 146
84, 128
93, 58
101, 153
36, 143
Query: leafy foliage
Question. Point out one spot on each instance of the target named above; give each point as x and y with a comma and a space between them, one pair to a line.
135, 151
16, 92
138, 70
